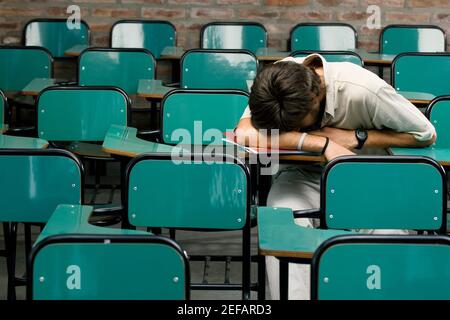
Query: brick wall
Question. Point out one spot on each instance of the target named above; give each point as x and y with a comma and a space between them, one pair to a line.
278, 16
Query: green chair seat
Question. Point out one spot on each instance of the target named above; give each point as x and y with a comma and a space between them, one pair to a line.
217, 69
55, 35
323, 36
396, 39
382, 268
233, 35
151, 35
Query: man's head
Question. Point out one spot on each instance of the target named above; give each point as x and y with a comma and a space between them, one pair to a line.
286, 96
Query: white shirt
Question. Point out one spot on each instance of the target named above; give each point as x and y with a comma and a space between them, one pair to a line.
358, 98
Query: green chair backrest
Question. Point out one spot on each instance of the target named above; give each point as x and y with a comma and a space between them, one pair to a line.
35, 182
121, 68
233, 35
438, 112
103, 267
382, 268
332, 56
323, 36
151, 35
20, 65
384, 192
217, 69
397, 39
80, 113
55, 35
422, 72
200, 116
161, 192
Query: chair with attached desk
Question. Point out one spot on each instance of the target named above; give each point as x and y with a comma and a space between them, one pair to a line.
332, 56
18, 67
420, 77
351, 188
33, 183
56, 35
74, 260
361, 267
151, 35
81, 126
217, 69
323, 36
398, 38
160, 194
233, 35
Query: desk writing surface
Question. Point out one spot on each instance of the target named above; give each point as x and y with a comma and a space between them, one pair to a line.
441, 155
76, 50
74, 219
122, 141
37, 85
270, 54
172, 53
279, 235
371, 58
13, 142
152, 89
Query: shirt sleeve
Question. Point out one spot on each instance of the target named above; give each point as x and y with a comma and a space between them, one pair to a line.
395, 112
247, 113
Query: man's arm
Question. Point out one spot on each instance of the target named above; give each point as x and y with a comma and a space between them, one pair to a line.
375, 139
247, 135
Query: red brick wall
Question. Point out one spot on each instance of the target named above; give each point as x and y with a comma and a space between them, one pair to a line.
279, 16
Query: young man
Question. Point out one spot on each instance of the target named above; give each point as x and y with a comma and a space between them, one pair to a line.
332, 108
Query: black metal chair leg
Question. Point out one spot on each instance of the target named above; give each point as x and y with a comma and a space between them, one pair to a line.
261, 278
11, 261
246, 263
284, 280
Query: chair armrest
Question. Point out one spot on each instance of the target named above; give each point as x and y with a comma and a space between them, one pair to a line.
172, 85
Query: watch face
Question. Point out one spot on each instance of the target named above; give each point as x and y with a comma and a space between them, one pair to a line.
361, 134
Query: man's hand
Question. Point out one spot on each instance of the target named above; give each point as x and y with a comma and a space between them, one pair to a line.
345, 138
335, 150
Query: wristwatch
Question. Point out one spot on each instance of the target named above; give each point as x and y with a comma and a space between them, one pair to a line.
361, 136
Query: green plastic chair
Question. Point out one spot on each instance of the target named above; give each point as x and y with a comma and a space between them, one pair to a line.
421, 72
233, 35
55, 36
378, 193
398, 38
73, 260
19, 65
121, 68
33, 184
217, 69
382, 268
206, 112
151, 35
87, 114
160, 194
333, 56
323, 36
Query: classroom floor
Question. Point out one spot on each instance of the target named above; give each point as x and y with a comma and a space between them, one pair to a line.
195, 243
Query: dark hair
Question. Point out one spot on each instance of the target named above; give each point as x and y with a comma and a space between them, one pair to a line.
282, 95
